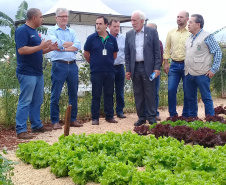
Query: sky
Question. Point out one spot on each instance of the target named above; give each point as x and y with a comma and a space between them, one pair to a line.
161, 12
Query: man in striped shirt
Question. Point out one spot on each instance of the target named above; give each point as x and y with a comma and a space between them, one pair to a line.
201, 49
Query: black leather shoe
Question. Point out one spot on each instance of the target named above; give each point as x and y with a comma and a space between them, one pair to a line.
112, 121
158, 118
140, 122
152, 121
95, 122
121, 116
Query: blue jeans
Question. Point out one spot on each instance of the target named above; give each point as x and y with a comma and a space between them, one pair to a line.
176, 73
102, 81
119, 88
30, 101
60, 73
203, 83
157, 83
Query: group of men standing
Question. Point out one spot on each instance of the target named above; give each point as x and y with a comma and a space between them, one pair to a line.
141, 52
191, 50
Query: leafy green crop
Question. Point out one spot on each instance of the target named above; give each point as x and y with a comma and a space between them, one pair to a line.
6, 167
112, 159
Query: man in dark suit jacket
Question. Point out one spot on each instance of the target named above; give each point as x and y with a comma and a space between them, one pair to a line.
142, 57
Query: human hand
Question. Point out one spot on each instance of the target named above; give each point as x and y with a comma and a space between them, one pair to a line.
157, 73
54, 46
210, 74
128, 75
45, 44
67, 44
166, 67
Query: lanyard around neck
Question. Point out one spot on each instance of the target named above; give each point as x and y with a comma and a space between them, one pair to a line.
104, 43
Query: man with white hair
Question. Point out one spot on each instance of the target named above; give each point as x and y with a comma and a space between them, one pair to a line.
143, 57
64, 67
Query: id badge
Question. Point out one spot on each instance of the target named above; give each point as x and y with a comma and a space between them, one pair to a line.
104, 52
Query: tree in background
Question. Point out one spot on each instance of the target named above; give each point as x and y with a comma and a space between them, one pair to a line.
7, 43
9, 84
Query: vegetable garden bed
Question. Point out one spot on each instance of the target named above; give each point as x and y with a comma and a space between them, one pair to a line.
113, 159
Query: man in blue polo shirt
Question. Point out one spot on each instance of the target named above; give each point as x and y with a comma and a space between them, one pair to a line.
29, 50
100, 51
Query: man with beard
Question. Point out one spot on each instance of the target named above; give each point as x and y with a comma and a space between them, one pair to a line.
175, 50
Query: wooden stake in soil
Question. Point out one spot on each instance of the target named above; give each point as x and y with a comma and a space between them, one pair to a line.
67, 121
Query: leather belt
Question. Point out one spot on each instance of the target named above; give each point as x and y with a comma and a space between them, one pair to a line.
65, 62
139, 62
119, 65
180, 62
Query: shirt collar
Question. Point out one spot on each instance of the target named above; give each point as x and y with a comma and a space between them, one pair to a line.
194, 36
57, 27
185, 29
97, 35
142, 30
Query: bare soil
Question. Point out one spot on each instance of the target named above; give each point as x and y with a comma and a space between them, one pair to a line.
24, 174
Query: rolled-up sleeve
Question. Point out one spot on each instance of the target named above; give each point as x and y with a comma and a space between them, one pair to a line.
76, 42
216, 51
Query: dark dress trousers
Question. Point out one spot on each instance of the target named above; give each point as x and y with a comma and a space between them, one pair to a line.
144, 89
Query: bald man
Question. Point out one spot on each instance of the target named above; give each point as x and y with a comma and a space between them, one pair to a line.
175, 50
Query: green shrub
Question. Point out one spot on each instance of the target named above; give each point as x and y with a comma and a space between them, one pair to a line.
6, 167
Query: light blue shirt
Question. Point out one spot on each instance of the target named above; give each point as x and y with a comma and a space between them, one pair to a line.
139, 43
57, 34
121, 46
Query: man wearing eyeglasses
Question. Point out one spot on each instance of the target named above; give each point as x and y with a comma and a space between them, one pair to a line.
201, 47
64, 67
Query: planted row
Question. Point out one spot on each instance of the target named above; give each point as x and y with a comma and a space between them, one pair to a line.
202, 136
220, 110
113, 159
208, 118
217, 126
